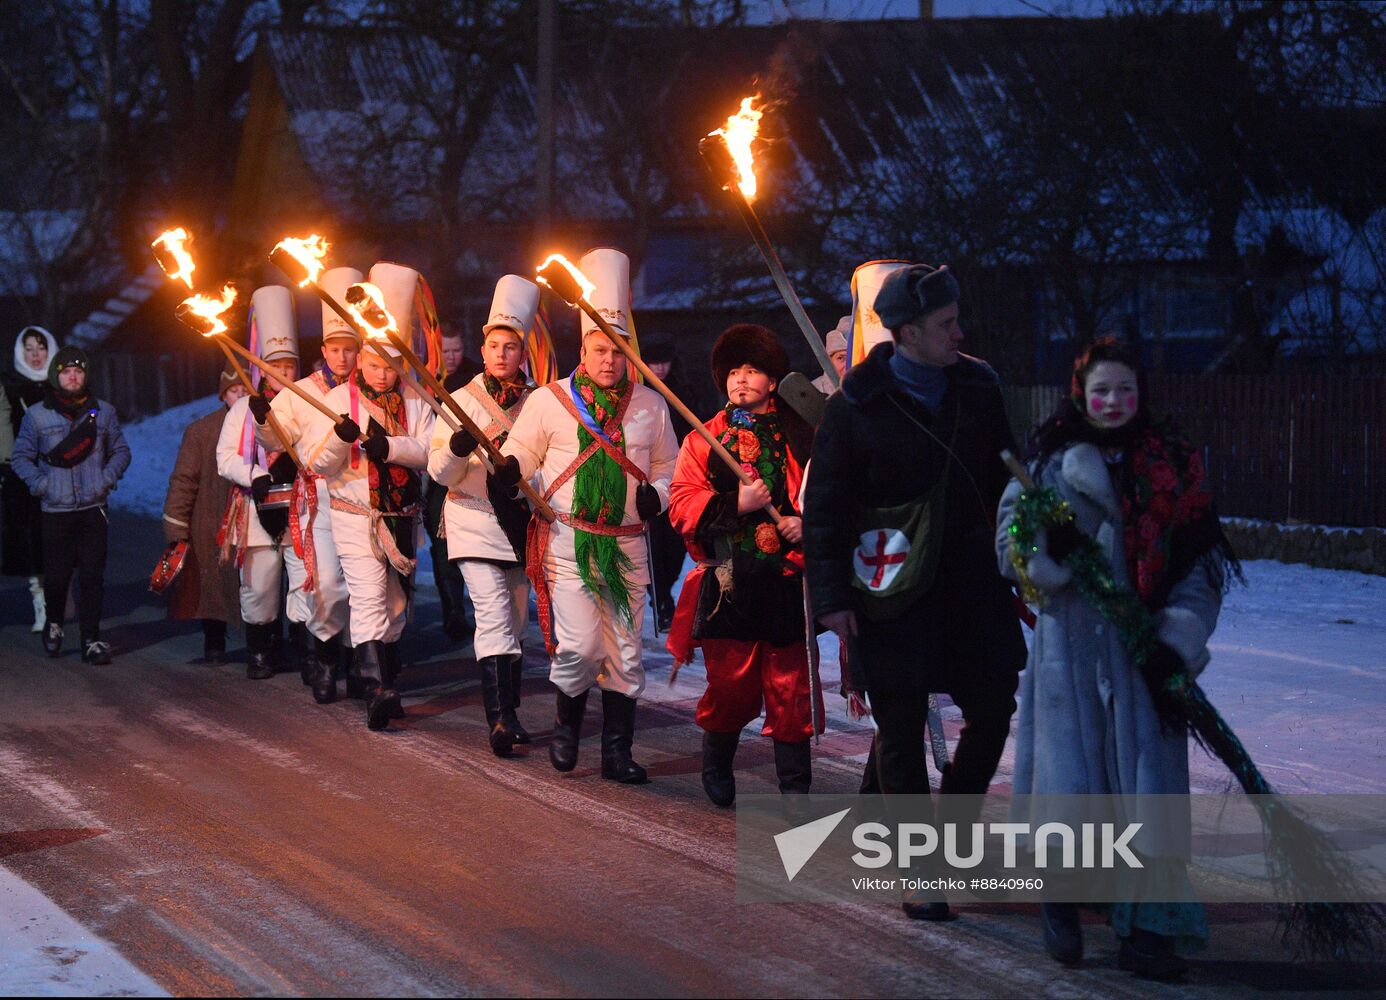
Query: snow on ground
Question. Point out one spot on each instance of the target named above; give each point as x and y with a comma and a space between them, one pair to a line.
1299, 656
153, 447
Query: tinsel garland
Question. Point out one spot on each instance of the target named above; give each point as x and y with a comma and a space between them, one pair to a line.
1297, 852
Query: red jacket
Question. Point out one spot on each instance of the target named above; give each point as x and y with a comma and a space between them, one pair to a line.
690, 493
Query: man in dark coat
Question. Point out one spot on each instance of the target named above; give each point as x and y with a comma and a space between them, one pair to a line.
898, 514
207, 588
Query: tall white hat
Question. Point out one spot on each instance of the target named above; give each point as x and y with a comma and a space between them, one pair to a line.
398, 285
609, 270
867, 328
513, 306
335, 282
274, 322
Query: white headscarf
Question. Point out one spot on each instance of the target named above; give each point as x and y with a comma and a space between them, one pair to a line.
33, 374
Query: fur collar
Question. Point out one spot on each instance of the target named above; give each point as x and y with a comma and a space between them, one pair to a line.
1086, 471
873, 377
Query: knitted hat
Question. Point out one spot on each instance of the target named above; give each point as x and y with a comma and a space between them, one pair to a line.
67, 357
227, 380
910, 292
748, 344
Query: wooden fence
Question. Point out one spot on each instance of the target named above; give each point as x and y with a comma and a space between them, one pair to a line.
140, 384
1289, 448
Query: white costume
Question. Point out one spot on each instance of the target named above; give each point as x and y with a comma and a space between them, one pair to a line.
241, 459
591, 644
305, 425
494, 574
379, 601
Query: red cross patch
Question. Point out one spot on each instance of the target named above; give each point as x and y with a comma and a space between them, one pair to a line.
879, 555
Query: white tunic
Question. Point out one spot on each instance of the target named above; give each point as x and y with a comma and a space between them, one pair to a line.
545, 443
232, 465
470, 524
330, 456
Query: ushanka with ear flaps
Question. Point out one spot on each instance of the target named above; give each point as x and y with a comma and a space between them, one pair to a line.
910, 292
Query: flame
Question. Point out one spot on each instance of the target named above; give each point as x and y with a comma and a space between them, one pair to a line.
582, 280
309, 254
210, 308
366, 302
171, 248
739, 132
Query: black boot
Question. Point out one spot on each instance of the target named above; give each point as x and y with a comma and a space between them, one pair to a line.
300, 643
495, 692
1150, 956
213, 641
618, 733
794, 768
511, 705
346, 668
324, 663
719, 780
567, 730
1063, 934
259, 640
380, 698
392, 672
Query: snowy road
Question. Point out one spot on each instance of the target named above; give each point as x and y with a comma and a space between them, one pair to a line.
230, 837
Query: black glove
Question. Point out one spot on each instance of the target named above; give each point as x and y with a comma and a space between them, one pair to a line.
260, 487
646, 502
377, 447
283, 469
507, 471
348, 430
462, 443
1064, 540
260, 406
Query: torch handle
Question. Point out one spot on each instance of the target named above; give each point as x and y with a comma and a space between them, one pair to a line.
674, 400
777, 272
1021, 474
413, 385
541, 506
284, 383
272, 420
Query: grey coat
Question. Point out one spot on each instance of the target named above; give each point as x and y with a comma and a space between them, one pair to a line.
1087, 722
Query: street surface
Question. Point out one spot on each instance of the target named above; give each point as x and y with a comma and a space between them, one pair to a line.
226, 836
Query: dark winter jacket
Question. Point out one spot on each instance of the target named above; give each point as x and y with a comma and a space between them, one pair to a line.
872, 449
86, 484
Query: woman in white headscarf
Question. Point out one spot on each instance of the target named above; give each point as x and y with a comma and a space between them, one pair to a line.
21, 541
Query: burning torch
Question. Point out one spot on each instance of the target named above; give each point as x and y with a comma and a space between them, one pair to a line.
727, 153
203, 313
302, 260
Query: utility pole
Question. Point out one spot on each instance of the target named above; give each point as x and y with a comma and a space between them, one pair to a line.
543, 173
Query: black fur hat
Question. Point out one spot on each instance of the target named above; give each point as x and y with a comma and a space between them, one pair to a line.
748, 344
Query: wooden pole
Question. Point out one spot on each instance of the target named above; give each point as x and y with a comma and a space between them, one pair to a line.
674, 401
272, 420
719, 162
284, 383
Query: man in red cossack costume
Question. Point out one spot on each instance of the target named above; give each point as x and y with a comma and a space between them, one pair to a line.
744, 601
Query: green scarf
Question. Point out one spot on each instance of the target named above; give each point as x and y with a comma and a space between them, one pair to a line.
599, 494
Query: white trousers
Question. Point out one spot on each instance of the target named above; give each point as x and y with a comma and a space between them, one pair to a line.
331, 610
500, 598
379, 605
593, 645
262, 573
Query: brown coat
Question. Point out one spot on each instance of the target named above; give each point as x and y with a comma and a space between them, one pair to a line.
193, 509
